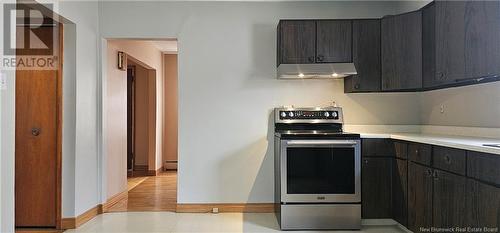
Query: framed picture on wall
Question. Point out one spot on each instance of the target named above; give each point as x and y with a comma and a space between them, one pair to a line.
122, 57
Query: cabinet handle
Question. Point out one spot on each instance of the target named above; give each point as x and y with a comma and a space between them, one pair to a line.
435, 175
366, 161
429, 172
311, 59
447, 159
356, 86
320, 57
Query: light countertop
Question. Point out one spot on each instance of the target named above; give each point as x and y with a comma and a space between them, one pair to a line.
459, 142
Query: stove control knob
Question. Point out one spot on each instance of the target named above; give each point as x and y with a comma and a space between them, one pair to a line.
290, 114
327, 114
283, 114
335, 114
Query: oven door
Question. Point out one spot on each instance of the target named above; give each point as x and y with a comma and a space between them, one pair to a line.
325, 171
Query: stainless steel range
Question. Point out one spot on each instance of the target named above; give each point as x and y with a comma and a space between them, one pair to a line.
318, 170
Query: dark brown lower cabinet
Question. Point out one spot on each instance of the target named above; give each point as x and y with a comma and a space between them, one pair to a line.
400, 191
376, 185
449, 200
483, 205
419, 197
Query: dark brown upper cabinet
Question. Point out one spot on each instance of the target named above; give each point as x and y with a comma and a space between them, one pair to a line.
333, 41
296, 42
366, 57
402, 52
461, 43
314, 41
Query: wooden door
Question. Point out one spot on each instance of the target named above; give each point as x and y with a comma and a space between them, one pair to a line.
334, 41
366, 56
297, 41
402, 52
376, 173
449, 200
419, 197
400, 191
38, 138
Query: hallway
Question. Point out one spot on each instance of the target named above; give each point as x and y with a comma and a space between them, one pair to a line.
153, 193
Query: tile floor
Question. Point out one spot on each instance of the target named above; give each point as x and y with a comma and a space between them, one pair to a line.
181, 222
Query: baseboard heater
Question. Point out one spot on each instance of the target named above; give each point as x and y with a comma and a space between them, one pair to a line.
171, 165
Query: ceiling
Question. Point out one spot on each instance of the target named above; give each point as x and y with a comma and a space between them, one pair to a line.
167, 46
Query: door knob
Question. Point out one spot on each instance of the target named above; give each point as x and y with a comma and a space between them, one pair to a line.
35, 131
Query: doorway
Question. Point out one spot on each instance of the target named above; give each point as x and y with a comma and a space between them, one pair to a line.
38, 127
147, 186
141, 118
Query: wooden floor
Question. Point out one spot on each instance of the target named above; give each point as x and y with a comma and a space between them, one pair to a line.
152, 193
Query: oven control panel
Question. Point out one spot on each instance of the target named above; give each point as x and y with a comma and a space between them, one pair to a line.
309, 115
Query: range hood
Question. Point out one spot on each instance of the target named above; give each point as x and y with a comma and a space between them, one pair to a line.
321, 70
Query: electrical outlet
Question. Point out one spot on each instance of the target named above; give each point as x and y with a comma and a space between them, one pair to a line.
441, 109
215, 210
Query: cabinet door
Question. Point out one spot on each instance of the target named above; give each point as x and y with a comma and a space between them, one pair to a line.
450, 40
366, 57
483, 205
419, 197
334, 41
376, 185
399, 191
449, 200
482, 38
297, 41
402, 51
429, 77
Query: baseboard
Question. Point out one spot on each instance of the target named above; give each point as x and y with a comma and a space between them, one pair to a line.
155, 172
140, 167
114, 199
72, 223
227, 208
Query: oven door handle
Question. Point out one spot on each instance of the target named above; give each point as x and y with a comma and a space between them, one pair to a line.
323, 142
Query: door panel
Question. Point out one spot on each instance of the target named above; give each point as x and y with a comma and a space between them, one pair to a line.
38, 134
449, 200
400, 191
482, 38
320, 170
483, 205
402, 51
450, 41
334, 41
297, 41
35, 182
366, 57
419, 197
376, 173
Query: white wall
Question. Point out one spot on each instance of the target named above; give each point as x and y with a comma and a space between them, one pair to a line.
227, 87
473, 106
116, 133
85, 16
